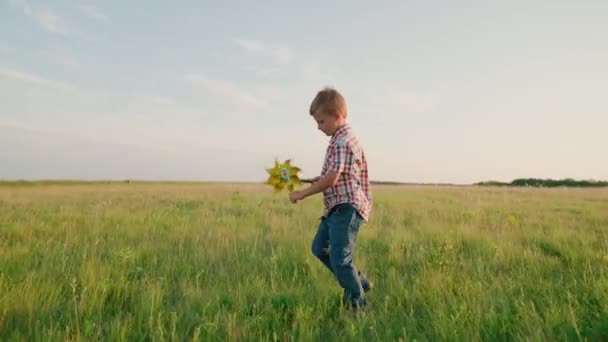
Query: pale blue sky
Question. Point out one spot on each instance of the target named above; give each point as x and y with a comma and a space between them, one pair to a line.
438, 91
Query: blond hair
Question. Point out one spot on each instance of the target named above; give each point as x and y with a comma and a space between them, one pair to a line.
330, 102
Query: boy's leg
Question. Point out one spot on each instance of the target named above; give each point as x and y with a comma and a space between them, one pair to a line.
320, 244
343, 227
320, 249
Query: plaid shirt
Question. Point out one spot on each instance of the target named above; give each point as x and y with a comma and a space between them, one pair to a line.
346, 156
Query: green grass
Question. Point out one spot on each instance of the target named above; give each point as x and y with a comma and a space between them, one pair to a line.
205, 262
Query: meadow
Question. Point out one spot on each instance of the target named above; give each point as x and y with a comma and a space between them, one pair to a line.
211, 261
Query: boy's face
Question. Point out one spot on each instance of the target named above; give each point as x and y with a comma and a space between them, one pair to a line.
327, 123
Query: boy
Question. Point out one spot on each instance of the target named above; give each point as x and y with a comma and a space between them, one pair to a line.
346, 196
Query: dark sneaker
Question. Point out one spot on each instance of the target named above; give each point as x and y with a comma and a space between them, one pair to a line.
366, 284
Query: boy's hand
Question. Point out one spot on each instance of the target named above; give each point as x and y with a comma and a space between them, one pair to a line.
316, 179
295, 196
319, 185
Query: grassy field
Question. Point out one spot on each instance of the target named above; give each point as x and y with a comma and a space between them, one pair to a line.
232, 262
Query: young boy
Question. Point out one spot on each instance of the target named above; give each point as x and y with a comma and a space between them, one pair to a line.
346, 196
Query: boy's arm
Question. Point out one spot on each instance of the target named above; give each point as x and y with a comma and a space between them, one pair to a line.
336, 161
327, 181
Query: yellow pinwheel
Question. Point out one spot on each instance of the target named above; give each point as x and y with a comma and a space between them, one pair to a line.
283, 175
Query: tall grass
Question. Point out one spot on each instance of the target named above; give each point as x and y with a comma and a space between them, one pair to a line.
233, 262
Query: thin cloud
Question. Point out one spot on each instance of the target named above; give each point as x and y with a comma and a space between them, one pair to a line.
309, 67
36, 80
229, 91
92, 11
162, 100
61, 56
402, 100
84, 134
46, 18
5, 49
264, 72
280, 54
74, 93
250, 45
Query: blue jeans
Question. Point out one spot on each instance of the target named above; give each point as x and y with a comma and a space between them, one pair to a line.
334, 245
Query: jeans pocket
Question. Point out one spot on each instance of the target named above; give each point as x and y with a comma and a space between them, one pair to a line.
355, 221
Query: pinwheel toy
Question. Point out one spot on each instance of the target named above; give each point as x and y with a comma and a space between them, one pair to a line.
284, 175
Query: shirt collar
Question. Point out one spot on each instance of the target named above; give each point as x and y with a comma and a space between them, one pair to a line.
342, 130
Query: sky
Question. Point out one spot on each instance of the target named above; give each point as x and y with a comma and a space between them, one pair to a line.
437, 91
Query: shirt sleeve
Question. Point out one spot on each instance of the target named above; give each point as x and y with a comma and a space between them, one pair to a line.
365, 179
338, 158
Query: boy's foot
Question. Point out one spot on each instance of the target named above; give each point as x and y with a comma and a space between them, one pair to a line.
366, 284
356, 306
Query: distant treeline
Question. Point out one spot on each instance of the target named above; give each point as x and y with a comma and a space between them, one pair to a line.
547, 183
532, 182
